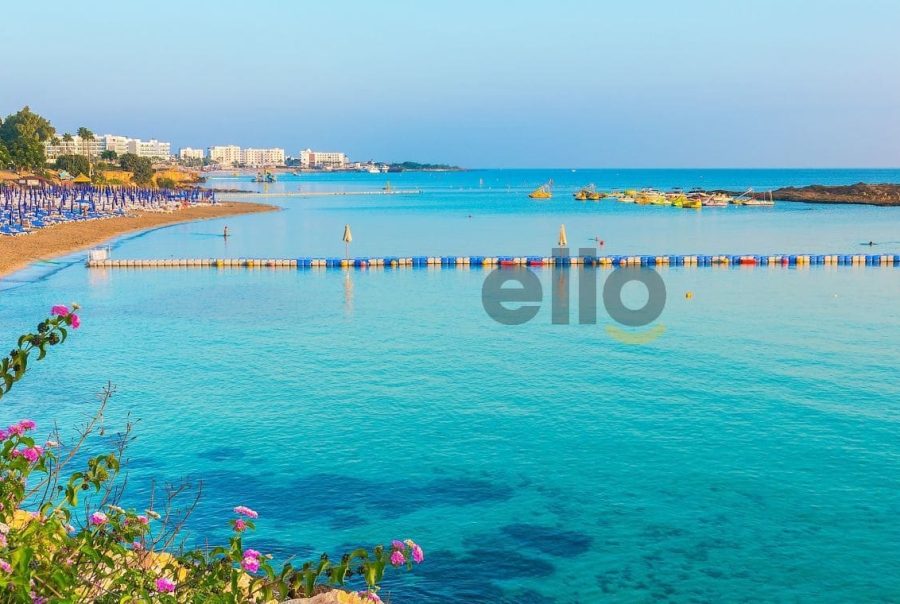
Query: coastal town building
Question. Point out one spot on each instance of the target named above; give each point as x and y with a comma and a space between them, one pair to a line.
190, 153
152, 148
232, 155
322, 159
106, 142
262, 157
226, 155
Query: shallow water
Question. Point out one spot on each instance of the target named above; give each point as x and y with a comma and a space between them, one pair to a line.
749, 453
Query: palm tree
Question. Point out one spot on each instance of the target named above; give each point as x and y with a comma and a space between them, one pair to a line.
86, 136
67, 138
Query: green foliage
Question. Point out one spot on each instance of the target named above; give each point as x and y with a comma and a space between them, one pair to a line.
411, 165
50, 332
166, 183
73, 164
23, 134
141, 168
116, 555
109, 155
5, 158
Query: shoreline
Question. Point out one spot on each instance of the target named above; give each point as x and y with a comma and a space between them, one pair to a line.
19, 252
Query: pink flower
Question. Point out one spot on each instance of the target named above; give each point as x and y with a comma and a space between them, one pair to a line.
5, 566
34, 453
143, 519
397, 558
397, 544
27, 424
98, 518
75, 321
16, 430
245, 511
137, 546
239, 525
250, 564
417, 554
251, 553
2, 540
164, 585
3, 434
60, 311
371, 596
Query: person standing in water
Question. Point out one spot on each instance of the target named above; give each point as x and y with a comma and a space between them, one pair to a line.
225, 232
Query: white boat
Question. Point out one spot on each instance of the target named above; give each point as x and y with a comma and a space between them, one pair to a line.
373, 170
713, 201
761, 202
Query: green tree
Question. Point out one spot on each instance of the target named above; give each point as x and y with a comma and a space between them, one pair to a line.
23, 134
73, 164
109, 155
5, 159
141, 168
86, 137
67, 137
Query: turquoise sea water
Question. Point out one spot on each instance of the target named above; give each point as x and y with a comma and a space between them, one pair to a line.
748, 454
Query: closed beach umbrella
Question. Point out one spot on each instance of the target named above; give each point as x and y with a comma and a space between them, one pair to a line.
347, 238
563, 242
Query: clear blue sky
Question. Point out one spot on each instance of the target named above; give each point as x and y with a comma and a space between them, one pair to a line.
481, 83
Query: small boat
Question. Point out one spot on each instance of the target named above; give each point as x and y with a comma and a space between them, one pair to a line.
588, 192
373, 170
544, 191
684, 201
652, 197
711, 201
629, 196
761, 202
740, 199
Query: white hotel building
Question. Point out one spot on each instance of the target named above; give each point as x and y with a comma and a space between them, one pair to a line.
262, 157
227, 155
232, 155
322, 159
107, 142
190, 153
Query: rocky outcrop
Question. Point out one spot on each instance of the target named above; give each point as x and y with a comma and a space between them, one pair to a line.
860, 193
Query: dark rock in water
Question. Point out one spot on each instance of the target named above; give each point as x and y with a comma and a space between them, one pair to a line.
549, 540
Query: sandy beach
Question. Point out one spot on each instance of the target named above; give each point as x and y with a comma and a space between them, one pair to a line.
57, 240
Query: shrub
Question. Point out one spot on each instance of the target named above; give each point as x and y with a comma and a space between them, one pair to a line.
64, 538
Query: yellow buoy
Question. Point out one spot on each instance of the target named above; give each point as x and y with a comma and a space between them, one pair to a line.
689, 295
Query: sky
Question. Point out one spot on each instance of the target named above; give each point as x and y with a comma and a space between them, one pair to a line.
477, 83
